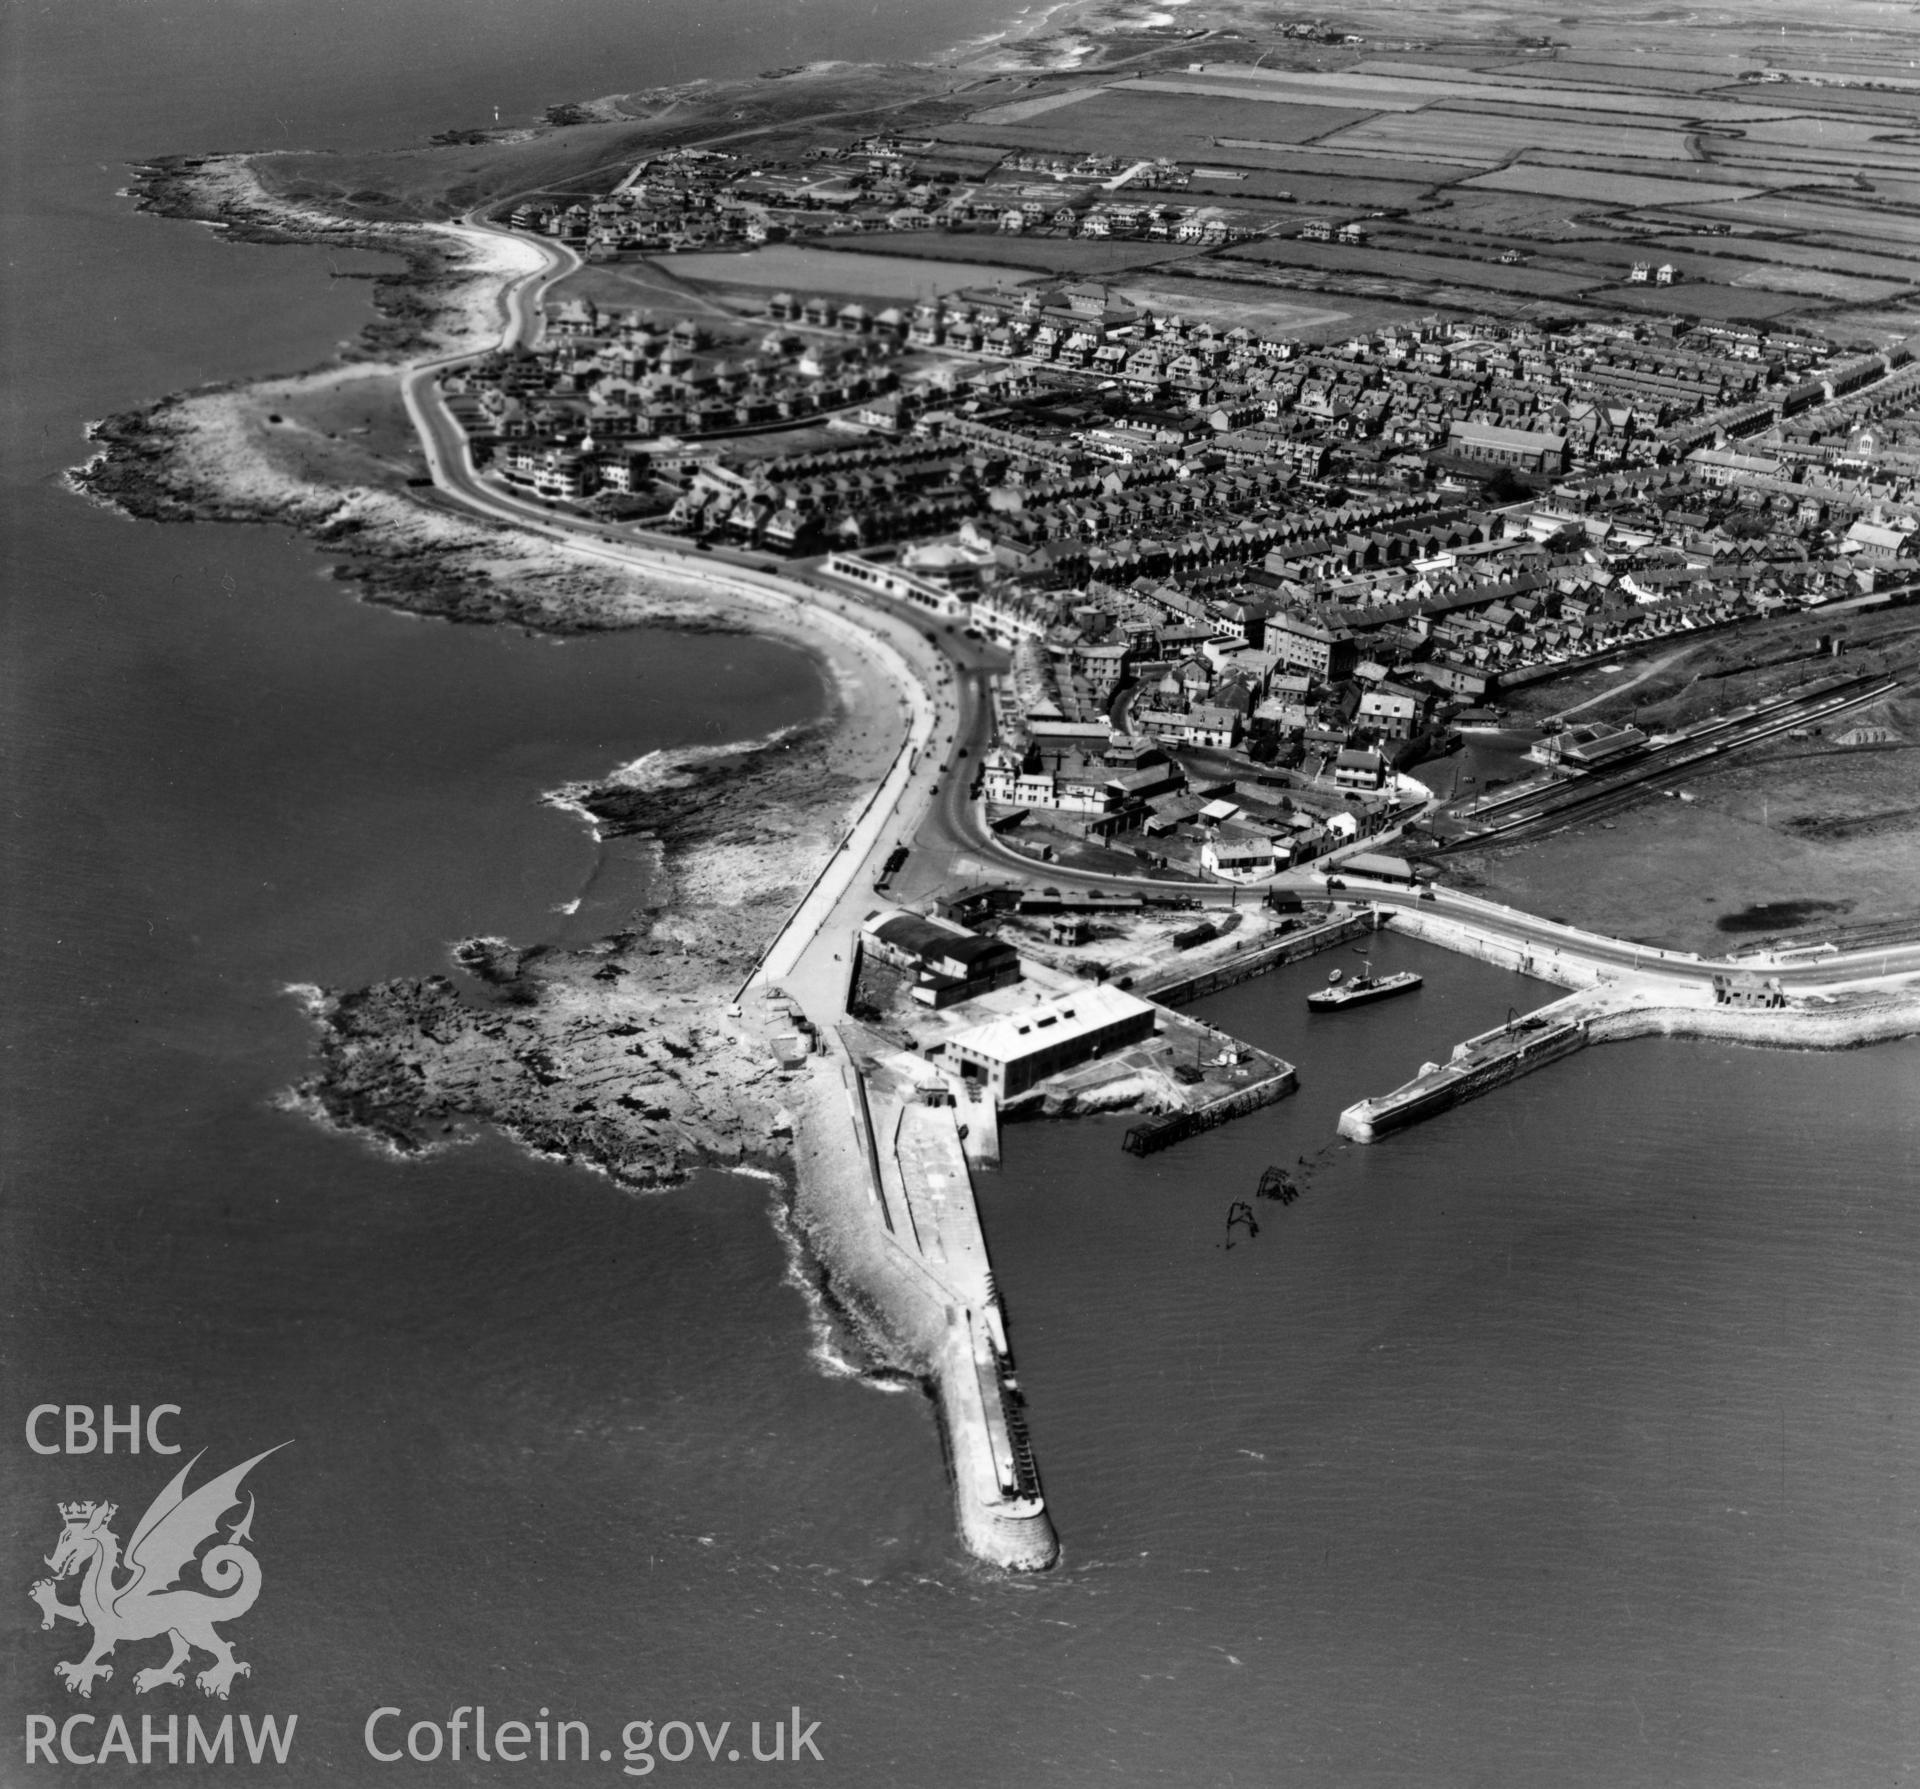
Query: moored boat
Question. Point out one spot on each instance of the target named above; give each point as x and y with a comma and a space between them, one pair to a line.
1362, 988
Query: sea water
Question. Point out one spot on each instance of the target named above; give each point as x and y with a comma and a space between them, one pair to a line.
1566, 1438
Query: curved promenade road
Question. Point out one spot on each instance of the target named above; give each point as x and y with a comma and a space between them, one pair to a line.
801, 957
925, 796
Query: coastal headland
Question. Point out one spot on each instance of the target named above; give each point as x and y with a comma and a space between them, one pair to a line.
734, 1019
629, 1056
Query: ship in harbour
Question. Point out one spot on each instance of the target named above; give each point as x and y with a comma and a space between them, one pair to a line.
1340, 993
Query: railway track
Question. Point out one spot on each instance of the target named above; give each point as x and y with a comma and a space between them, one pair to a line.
1591, 796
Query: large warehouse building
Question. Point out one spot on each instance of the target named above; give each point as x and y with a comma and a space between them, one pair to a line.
1011, 1054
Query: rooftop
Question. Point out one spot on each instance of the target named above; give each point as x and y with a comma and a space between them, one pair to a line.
1055, 1021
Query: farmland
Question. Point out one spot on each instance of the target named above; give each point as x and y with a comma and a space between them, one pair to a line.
1490, 138
1547, 177
1120, 120
1589, 76
1407, 92
1716, 303
1346, 180
1356, 164
1603, 187
1225, 306
1795, 254
1068, 255
1820, 220
1387, 264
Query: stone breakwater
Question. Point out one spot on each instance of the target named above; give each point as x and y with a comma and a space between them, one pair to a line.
900, 1318
986, 1450
884, 1196
1838, 1021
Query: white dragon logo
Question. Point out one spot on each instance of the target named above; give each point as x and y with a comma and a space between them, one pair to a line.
149, 1603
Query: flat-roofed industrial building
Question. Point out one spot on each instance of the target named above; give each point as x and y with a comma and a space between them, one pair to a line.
1013, 1053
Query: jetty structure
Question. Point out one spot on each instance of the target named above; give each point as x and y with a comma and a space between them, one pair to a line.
1789, 999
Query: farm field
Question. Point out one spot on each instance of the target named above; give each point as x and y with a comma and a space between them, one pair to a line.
854, 272
1531, 217
1878, 328
1216, 302
1720, 304
1796, 254
1898, 192
1406, 93
1807, 276
1020, 110
1710, 173
1250, 293
1492, 139
1902, 108
1817, 282
1336, 257
1143, 117
1352, 196
1353, 164
1619, 190
1589, 74
1072, 255
1840, 245
1834, 163
1810, 64
1820, 133
1854, 225
1267, 88
1590, 262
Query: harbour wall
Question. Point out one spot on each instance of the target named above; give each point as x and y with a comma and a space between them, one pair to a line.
1155, 1134
1564, 968
1848, 1023
1292, 948
1832, 1022
996, 1490
1477, 1066
921, 1169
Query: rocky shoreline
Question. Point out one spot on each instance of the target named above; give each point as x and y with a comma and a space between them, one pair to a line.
630, 1055
413, 301
196, 457
212, 456
625, 1055
620, 1054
